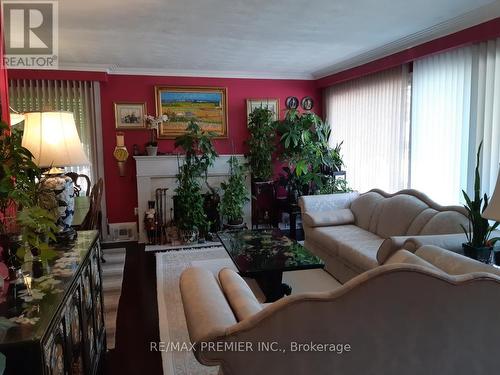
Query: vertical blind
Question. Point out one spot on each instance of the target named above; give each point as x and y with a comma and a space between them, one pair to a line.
370, 115
441, 97
485, 119
61, 95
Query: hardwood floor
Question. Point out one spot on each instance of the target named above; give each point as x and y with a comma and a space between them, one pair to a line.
137, 319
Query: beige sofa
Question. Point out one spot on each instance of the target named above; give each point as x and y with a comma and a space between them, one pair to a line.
414, 315
355, 232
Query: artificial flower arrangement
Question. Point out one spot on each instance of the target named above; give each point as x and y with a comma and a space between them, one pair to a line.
153, 124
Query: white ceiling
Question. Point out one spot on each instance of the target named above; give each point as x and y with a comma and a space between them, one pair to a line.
254, 38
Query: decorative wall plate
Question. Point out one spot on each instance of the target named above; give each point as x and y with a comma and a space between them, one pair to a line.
307, 103
292, 102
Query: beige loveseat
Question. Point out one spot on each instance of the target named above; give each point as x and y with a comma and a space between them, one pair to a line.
355, 232
409, 316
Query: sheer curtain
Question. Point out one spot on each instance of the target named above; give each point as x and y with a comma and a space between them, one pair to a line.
371, 116
61, 95
441, 97
485, 118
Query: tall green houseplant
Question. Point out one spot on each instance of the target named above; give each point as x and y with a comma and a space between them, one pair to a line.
261, 143
200, 155
235, 193
304, 143
479, 244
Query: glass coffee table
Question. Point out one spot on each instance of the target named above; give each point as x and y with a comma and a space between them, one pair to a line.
264, 255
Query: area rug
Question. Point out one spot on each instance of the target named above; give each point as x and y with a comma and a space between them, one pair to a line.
172, 323
112, 277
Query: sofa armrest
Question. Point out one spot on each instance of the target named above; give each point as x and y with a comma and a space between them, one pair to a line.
390, 246
340, 216
326, 202
452, 263
452, 242
239, 295
207, 312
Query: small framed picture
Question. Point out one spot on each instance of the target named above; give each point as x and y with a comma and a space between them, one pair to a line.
272, 104
129, 116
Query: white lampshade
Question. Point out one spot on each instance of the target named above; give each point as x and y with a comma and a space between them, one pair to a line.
16, 118
492, 212
53, 139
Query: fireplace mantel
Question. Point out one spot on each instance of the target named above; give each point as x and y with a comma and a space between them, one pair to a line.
160, 171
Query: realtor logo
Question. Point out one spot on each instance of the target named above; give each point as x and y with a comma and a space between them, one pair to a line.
31, 34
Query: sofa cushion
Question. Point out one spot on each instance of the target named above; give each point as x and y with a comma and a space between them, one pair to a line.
325, 218
364, 207
395, 214
445, 222
356, 246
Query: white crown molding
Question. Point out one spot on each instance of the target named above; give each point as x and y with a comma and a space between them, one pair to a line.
464, 21
117, 70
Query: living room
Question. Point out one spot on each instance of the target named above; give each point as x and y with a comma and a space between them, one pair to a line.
239, 187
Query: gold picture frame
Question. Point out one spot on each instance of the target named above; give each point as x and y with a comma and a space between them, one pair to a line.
130, 116
207, 106
272, 104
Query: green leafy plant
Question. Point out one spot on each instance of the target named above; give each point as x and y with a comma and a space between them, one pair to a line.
200, 155
261, 143
18, 174
189, 201
304, 140
333, 185
479, 230
235, 193
37, 228
20, 191
198, 147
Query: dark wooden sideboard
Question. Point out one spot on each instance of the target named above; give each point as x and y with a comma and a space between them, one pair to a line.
54, 323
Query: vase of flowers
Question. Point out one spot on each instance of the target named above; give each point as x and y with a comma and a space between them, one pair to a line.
152, 124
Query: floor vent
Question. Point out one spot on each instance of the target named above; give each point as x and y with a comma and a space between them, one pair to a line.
119, 232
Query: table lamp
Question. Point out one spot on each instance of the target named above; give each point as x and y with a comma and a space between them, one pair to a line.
53, 140
492, 212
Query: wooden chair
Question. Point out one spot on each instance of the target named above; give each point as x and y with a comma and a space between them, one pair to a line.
75, 176
93, 218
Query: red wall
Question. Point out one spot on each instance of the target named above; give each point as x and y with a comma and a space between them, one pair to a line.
121, 192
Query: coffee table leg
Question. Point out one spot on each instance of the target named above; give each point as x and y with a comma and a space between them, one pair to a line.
272, 285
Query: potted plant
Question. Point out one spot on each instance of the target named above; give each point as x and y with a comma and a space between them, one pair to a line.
304, 146
20, 191
191, 217
235, 194
189, 201
479, 245
261, 144
152, 124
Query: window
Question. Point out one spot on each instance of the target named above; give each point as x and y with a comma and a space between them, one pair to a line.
370, 115
453, 101
73, 96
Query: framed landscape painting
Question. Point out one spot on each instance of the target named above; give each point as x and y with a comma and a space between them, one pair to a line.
207, 106
272, 104
130, 115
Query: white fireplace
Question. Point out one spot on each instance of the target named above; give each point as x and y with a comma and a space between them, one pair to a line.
155, 172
